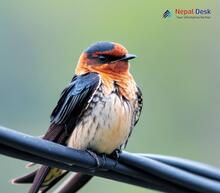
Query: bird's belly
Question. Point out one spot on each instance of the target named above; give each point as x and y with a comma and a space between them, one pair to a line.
105, 126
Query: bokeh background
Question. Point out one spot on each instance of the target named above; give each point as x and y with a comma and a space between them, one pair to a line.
177, 68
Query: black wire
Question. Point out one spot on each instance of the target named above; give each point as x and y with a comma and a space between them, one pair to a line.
183, 178
188, 165
160, 186
59, 153
159, 174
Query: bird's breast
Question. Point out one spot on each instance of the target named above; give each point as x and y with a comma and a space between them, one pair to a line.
105, 125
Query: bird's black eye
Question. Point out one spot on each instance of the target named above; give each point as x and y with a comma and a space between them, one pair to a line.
102, 58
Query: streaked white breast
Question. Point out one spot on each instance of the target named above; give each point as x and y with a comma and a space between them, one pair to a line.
105, 125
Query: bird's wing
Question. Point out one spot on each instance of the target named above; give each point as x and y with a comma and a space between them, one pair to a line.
137, 112
74, 100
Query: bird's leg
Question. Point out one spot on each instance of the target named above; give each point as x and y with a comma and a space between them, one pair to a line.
115, 155
100, 162
94, 155
103, 155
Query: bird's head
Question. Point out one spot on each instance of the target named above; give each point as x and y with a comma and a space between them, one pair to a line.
104, 57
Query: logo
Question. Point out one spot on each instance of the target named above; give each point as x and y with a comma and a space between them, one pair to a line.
190, 13
167, 14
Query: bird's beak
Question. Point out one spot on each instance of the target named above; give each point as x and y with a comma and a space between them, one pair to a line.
127, 57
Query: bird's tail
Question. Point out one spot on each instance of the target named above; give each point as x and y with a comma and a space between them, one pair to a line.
42, 179
26, 179
43, 184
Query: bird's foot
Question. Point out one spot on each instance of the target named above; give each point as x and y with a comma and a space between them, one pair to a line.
100, 163
115, 156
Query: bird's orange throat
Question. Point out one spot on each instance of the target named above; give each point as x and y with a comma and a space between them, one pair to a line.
125, 83
117, 72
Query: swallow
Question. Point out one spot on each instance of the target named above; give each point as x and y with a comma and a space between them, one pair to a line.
96, 111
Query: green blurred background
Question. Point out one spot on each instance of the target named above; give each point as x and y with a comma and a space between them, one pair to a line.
177, 68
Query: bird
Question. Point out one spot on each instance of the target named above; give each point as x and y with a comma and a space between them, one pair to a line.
96, 111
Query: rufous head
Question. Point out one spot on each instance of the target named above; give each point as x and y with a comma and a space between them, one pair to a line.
104, 57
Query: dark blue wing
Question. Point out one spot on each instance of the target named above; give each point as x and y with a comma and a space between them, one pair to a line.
75, 98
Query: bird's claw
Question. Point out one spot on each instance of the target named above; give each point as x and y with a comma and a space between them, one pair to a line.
115, 155
100, 163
